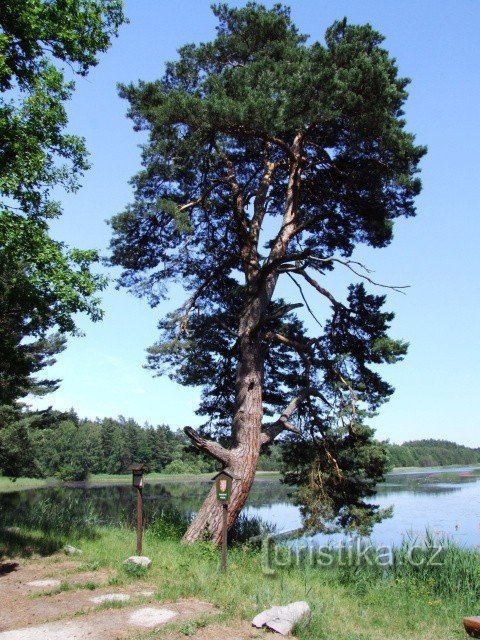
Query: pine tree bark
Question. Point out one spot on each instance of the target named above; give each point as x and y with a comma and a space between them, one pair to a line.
241, 460
247, 437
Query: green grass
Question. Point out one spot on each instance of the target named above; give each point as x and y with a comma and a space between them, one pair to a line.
446, 467
360, 604
365, 602
105, 478
20, 484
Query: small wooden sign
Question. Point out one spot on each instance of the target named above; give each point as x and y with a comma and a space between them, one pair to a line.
223, 485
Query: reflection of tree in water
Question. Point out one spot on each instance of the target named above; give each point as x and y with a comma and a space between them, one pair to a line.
116, 504
427, 482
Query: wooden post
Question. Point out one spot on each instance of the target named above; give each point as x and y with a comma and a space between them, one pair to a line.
139, 520
224, 537
137, 480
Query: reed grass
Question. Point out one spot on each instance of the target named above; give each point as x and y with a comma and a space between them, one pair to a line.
358, 602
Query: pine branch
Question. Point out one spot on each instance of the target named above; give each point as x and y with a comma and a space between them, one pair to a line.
271, 430
210, 447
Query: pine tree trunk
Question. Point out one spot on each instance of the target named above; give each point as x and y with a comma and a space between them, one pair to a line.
248, 414
246, 431
208, 521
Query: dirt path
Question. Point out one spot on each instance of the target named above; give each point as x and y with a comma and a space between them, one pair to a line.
110, 624
54, 599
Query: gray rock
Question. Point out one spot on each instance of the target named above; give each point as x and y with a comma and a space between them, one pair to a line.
110, 597
283, 619
69, 550
44, 583
141, 561
149, 617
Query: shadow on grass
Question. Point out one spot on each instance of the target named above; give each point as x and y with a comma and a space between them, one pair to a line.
22, 544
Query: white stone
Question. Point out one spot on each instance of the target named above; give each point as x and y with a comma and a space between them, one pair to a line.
283, 619
149, 617
141, 561
110, 597
44, 583
145, 594
103, 624
72, 550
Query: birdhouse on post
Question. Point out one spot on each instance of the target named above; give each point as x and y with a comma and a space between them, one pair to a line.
137, 481
137, 474
223, 485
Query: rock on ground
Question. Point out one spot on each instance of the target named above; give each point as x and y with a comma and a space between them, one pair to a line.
141, 561
283, 619
110, 624
110, 597
69, 550
44, 583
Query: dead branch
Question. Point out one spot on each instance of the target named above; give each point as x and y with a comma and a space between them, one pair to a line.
304, 299
271, 430
210, 447
318, 287
349, 263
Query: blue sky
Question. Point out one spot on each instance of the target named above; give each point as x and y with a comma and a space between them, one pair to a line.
437, 45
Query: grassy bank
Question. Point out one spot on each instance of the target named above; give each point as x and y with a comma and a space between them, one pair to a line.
103, 479
348, 603
445, 468
20, 484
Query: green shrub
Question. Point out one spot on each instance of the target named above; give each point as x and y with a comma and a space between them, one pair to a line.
169, 524
134, 570
70, 473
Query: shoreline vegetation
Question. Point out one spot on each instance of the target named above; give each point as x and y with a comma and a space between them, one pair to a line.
104, 479
355, 600
64, 446
420, 596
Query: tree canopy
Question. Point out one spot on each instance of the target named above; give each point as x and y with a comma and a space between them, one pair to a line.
36, 37
42, 285
273, 157
42, 282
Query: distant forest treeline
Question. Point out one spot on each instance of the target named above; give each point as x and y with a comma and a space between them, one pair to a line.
431, 453
52, 443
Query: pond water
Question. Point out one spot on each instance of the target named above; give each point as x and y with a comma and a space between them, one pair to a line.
445, 501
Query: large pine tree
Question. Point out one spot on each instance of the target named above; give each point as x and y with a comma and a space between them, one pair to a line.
272, 157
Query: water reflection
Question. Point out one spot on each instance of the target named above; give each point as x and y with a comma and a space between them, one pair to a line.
446, 502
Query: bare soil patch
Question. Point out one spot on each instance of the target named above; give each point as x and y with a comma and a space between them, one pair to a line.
113, 624
33, 609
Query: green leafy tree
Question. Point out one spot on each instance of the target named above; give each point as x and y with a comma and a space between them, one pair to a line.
42, 283
16, 449
431, 452
270, 157
36, 38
